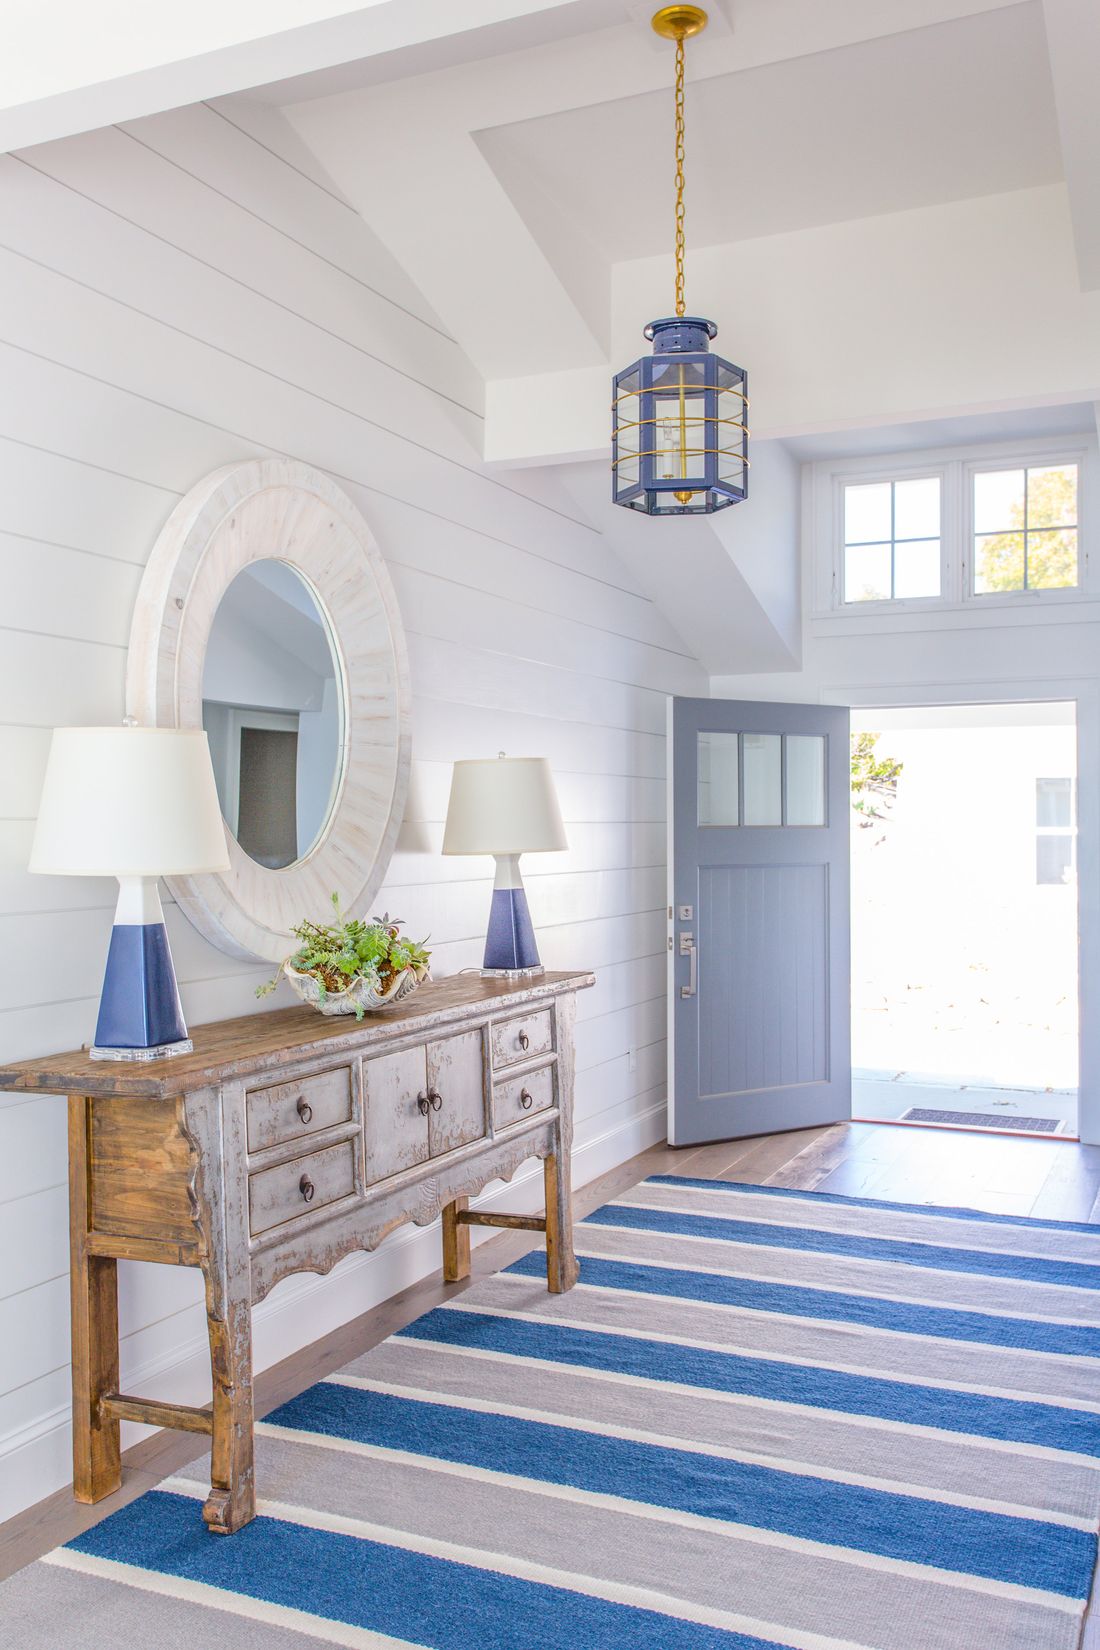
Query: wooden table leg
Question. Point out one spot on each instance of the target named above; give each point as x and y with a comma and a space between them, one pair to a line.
456, 1242
93, 1279
561, 1263
232, 1500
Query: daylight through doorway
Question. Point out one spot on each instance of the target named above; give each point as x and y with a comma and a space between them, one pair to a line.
964, 917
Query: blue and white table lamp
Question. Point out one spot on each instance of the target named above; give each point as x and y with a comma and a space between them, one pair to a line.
132, 803
505, 807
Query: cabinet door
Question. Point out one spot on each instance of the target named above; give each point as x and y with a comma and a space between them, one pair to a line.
395, 1129
456, 1089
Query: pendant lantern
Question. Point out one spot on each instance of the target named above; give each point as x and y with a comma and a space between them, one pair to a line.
679, 432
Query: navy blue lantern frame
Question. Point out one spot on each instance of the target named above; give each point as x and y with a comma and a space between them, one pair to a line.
680, 429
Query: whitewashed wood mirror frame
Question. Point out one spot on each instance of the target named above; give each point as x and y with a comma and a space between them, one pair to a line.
282, 511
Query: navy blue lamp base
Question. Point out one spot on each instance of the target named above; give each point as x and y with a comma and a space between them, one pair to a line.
140, 1014
510, 947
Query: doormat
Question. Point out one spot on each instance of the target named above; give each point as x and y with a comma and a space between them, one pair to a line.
982, 1120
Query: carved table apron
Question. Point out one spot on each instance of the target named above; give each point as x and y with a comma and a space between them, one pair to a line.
281, 1144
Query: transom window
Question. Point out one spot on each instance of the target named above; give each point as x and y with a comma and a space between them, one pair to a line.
1025, 529
892, 540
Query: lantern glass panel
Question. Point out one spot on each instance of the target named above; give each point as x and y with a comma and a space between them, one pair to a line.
679, 429
628, 430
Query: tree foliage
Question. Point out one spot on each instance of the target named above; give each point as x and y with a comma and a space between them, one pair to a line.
874, 779
1051, 549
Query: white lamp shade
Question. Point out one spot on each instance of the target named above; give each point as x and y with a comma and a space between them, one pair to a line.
127, 801
503, 806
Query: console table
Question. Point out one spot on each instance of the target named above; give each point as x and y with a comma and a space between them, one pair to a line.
282, 1143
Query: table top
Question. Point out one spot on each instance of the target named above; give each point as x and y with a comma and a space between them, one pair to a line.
258, 1042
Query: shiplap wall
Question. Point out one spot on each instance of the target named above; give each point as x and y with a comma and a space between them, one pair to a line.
183, 293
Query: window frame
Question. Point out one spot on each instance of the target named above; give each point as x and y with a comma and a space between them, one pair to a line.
893, 481
871, 478
824, 481
1044, 461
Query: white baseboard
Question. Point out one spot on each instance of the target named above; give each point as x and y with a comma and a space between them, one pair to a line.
35, 1460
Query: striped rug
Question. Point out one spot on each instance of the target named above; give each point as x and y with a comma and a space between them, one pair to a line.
763, 1418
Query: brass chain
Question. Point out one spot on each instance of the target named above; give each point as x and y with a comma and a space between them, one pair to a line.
680, 242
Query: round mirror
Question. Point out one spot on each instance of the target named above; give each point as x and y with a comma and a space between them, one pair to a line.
267, 616
272, 710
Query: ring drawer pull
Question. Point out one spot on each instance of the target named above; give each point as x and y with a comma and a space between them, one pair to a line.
307, 1188
526, 1099
305, 1110
435, 1099
524, 1041
423, 1103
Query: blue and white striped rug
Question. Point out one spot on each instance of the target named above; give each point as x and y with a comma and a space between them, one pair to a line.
763, 1418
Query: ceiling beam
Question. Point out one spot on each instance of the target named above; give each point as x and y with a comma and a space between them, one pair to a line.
1073, 42
71, 67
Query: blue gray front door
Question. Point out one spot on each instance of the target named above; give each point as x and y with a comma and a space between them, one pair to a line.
758, 918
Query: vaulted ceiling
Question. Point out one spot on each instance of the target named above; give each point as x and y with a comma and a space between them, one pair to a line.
893, 213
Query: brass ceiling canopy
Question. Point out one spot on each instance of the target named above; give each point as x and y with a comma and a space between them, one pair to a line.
678, 22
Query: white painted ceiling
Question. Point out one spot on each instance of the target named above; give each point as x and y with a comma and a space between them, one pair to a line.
948, 112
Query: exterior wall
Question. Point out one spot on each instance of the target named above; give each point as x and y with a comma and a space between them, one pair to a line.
188, 292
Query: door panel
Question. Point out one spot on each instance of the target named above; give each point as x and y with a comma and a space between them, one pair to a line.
456, 1090
763, 1003
758, 918
396, 1127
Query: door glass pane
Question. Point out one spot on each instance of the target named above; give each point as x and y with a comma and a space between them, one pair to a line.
805, 779
917, 568
763, 801
717, 781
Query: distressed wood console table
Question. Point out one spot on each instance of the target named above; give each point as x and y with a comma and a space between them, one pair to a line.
281, 1144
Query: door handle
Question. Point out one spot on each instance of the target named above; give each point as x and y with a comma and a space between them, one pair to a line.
687, 949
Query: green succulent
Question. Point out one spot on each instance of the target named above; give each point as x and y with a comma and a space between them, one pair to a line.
347, 949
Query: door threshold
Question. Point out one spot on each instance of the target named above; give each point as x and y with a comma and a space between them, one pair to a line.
965, 1128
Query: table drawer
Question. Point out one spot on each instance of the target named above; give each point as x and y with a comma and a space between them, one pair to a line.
520, 1097
523, 1038
294, 1189
289, 1111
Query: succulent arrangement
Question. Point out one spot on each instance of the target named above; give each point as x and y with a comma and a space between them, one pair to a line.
350, 965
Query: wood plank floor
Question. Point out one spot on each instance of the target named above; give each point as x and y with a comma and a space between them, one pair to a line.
1009, 1175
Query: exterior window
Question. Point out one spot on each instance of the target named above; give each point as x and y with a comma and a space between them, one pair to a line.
1025, 529
892, 540
1055, 832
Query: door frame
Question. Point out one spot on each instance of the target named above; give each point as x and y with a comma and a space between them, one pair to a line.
1085, 693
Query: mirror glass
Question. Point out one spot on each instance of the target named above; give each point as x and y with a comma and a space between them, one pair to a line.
273, 712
